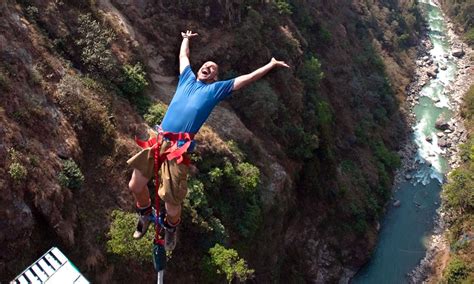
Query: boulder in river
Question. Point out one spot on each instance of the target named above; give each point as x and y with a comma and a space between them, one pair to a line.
441, 124
397, 203
459, 53
443, 67
429, 139
443, 143
431, 72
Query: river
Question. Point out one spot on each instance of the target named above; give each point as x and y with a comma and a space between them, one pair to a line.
405, 230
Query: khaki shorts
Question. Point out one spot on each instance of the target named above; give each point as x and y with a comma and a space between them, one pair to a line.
173, 181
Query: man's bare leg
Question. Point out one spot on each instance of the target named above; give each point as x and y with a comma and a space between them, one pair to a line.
173, 213
138, 186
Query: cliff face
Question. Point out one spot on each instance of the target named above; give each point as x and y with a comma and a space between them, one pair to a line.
321, 134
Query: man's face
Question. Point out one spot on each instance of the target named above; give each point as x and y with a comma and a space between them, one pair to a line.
208, 72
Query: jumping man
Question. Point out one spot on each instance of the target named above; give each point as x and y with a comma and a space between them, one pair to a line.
191, 105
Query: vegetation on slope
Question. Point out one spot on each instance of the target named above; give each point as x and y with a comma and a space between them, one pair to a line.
462, 12
458, 197
335, 117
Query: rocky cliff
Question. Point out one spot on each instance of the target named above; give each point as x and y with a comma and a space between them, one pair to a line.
322, 136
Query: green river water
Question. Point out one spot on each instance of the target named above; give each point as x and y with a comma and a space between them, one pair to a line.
406, 229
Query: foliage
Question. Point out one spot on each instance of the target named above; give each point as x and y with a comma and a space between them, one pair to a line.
17, 172
325, 35
284, 8
86, 113
470, 36
4, 81
71, 175
404, 41
301, 144
16, 169
248, 176
155, 114
258, 103
134, 79
94, 41
390, 159
197, 206
458, 201
121, 242
228, 263
311, 73
456, 271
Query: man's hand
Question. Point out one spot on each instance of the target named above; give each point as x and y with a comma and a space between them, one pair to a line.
184, 50
277, 63
188, 34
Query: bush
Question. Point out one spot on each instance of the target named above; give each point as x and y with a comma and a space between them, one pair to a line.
311, 73
134, 79
284, 8
94, 41
258, 103
456, 271
470, 36
226, 262
17, 172
404, 41
155, 114
71, 175
249, 176
121, 242
458, 193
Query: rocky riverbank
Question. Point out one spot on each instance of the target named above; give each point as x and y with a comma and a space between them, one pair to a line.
451, 134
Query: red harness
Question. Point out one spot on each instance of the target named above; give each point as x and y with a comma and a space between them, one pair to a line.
172, 152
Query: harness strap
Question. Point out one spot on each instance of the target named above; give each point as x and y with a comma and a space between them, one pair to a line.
172, 152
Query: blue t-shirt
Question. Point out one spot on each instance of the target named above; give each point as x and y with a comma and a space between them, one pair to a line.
193, 102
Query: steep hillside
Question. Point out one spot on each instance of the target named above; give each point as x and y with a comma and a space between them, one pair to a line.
292, 172
461, 12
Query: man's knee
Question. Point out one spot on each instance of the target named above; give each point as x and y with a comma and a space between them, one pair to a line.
173, 210
137, 182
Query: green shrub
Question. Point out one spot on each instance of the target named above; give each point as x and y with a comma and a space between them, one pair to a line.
17, 172
71, 175
249, 176
301, 144
283, 7
390, 159
404, 41
32, 12
311, 73
456, 271
325, 35
155, 114
470, 36
258, 103
94, 41
458, 193
134, 79
121, 242
222, 261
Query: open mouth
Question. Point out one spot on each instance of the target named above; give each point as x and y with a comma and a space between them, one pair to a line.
205, 72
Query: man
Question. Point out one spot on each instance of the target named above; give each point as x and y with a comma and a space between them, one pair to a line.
191, 105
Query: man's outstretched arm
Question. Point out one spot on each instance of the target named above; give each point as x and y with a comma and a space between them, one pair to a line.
247, 79
184, 50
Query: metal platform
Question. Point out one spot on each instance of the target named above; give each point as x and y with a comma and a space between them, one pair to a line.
52, 267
